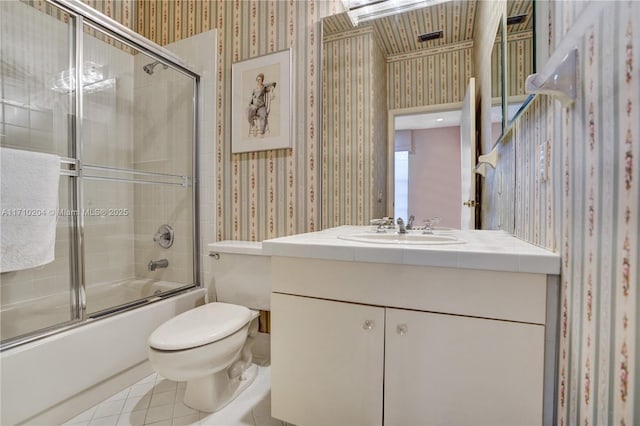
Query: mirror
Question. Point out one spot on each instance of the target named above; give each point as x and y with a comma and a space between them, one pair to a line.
520, 53
498, 105
402, 63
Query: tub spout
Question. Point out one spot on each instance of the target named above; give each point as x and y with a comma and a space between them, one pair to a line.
155, 264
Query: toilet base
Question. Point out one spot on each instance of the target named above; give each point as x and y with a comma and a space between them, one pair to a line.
214, 392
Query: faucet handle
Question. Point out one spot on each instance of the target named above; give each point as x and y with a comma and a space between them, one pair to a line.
410, 222
379, 223
385, 222
428, 229
164, 236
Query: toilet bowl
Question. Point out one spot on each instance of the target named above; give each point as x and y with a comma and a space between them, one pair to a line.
209, 347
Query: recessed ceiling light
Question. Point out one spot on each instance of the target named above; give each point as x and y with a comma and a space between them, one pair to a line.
439, 119
366, 10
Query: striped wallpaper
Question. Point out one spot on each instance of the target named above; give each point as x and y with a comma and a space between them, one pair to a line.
586, 205
520, 61
263, 194
436, 76
168, 21
354, 106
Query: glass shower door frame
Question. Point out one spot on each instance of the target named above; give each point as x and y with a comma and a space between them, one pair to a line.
81, 15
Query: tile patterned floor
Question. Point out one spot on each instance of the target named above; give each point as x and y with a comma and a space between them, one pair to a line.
157, 401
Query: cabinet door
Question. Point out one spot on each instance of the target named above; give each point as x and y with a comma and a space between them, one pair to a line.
326, 361
453, 370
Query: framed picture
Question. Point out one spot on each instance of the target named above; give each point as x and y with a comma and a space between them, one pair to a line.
261, 103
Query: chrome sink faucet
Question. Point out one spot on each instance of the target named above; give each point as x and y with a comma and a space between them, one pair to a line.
402, 229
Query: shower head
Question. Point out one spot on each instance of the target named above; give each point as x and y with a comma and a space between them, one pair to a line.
149, 67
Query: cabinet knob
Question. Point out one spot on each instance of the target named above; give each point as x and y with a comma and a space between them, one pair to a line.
368, 325
402, 329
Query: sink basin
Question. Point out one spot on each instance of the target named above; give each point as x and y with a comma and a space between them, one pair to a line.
395, 238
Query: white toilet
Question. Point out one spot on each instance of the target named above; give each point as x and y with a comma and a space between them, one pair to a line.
209, 347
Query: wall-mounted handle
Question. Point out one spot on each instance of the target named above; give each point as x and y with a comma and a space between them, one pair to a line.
368, 325
164, 236
402, 329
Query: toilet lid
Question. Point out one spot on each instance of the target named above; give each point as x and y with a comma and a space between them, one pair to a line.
200, 326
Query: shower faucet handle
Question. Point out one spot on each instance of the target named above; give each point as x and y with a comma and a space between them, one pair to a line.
161, 236
164, 236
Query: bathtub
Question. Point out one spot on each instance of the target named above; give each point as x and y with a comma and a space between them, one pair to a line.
53, 379
24, 317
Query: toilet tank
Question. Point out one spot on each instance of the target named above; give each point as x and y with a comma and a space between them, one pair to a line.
241, 273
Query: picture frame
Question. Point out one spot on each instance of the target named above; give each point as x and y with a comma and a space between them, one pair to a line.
261, 110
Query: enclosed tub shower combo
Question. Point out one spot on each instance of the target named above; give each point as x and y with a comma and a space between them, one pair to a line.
99, 221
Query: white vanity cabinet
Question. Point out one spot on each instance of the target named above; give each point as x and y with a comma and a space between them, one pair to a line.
330, 359
357, 343
456, 370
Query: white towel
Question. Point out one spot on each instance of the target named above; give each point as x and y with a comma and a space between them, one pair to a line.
28, 203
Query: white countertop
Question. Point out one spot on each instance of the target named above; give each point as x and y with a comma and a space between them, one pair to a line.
489, 250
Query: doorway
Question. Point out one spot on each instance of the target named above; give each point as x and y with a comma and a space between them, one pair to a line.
425, 177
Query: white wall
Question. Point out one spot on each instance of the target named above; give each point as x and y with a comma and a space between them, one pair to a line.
200, 52
163, 136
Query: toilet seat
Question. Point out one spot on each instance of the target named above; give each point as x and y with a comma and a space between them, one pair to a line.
200, 326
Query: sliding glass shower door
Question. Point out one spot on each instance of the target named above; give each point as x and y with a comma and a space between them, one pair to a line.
120, 113
137, 175
36, 44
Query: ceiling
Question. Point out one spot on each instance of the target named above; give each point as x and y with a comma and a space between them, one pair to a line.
430, 120
398, 34
520, 7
